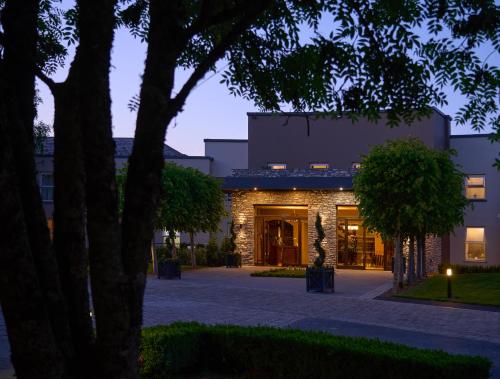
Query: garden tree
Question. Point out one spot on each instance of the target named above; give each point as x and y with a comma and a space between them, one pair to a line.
406, 189
369, 59
190, 201
320, 259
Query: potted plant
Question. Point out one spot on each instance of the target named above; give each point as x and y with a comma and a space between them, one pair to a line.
319, 278
232, 258
169, 267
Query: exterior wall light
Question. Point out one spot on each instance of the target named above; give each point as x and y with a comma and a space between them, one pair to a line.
341, 188
295, 188
255, 188
449, 274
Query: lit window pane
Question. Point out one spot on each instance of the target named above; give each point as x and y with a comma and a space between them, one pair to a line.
475, 193
475, 235
319, 166
474, 251
475, 187
277, 166
475, 181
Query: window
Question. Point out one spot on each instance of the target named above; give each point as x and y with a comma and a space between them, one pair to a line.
47, 186
276, 166
319, 166
229, 197
356, 165
475, 187
475, 249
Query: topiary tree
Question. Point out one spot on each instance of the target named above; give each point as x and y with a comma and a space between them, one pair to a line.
190, 202
320, 259
406, 189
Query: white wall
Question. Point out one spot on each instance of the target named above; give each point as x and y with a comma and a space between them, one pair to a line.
476, 155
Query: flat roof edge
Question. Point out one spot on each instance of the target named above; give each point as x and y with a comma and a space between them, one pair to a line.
284, 114
476, 135
225, 140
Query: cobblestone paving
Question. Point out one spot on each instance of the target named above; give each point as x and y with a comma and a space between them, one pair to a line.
216, 296
231, 296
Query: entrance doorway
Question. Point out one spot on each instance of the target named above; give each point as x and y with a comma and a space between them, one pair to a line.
281, 235
358, 247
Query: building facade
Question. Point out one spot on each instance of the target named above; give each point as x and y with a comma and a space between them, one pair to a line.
295, 166
301, 165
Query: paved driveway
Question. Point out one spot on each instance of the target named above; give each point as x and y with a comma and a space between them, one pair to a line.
222, 295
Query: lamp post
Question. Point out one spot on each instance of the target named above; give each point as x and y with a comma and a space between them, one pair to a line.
449, 273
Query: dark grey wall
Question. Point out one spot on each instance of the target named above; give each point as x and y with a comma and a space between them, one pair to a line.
339, 142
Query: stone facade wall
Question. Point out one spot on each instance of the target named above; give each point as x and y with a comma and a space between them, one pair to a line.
324, 202
432, 253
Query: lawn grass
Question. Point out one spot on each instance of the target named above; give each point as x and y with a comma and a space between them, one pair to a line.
482, 289
281, 273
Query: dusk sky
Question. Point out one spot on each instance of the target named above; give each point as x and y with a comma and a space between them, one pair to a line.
210, 111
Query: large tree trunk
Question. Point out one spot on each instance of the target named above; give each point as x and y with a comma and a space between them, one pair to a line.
69, 219
142, 190
29, 229
117, 334
34, 350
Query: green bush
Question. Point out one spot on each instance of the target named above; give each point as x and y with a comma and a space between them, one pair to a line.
463, 269
290, 272
214, 257
262, 352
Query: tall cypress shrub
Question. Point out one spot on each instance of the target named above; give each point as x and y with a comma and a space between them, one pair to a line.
320, 259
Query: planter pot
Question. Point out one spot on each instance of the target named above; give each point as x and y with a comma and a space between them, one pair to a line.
233, 260
320, 279
169, 269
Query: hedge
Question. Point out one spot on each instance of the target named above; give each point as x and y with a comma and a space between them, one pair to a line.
263, 352
281, 273
473, 269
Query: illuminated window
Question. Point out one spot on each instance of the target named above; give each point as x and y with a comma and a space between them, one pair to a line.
356, 165
475, 187
319, 166
475, 249
47, 186
276, 166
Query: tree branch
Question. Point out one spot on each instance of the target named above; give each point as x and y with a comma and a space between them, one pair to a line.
218, 52
49, 82
205, 20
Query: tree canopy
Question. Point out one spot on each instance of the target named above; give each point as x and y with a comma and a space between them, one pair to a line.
342, 57
190, 200
406, 188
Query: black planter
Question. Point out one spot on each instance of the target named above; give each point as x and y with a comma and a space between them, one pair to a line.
320, 279
233, 260
169, 269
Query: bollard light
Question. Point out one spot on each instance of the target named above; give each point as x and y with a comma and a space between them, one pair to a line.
449, 273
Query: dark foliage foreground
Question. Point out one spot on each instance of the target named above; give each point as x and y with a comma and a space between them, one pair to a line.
263, 352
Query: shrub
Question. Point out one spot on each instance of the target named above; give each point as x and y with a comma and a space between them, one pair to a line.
181, 348
184, 255
214, 257
290, 272
463, 269
201, 255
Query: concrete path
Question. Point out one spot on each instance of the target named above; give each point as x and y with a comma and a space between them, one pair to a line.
222, 295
